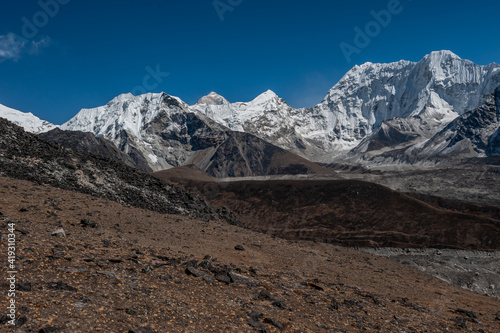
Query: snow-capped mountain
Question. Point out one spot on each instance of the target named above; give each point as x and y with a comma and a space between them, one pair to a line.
435, 90
473, 134
163, 131
28, 121
267, 116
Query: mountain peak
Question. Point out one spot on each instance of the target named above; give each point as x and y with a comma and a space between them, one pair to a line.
213, 99
440, 56
264, 97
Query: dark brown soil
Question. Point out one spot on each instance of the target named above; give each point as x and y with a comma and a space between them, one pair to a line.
348, 212
124, 269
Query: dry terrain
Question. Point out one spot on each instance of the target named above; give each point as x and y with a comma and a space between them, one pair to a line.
126, 269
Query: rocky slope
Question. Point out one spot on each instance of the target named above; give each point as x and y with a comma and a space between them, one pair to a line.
123, 269
25, 156
88, 143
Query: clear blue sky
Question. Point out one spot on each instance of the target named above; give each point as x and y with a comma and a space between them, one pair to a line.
90, 51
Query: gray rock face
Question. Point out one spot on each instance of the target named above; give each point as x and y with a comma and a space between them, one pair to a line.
473, 270
473, 134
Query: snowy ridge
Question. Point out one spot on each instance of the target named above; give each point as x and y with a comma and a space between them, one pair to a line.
437, 89
28, 121
124, 112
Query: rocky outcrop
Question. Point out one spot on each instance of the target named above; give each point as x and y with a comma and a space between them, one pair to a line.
88, 143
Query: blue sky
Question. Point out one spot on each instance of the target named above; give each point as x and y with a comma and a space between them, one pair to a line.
75, 54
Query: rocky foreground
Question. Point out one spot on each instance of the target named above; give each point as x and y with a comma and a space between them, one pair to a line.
125, 269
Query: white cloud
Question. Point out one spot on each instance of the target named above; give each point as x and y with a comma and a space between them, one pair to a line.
12, 46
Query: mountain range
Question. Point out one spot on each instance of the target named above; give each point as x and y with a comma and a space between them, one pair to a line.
439, 108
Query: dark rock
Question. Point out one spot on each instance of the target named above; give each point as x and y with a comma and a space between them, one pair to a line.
192, 263
258, 326
280, 304
334, 305
197, 273
466, 313
254, 315
273, 322
115, 261
497, 316
24, 286
4, 319
87, 223
21, 321
238, 278
265, 295
23, 209
239, 248
50, 329
223, 277
143, 329
460, 322
207, 265
60, 286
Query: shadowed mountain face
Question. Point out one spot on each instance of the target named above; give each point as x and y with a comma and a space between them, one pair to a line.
25, 156
347, 212
416, 139
88, 143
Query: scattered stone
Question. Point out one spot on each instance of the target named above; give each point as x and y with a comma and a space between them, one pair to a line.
334, 305
115, 261
23, 209
192, 263
197, 273
223, 277
279, 304
87, 223
60, 286
21, 321
265, 295
497, 316
207, 257
255, 324
254, 315
80, 304
24, 286
239, 248
460, 322
50, 329
466, 313
238, 278
314, 286
59, 232
107, 273
143, 329
207, 265
147, 269
273, 322
4, 319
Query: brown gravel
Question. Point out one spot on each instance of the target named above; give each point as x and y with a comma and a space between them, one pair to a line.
129, 271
